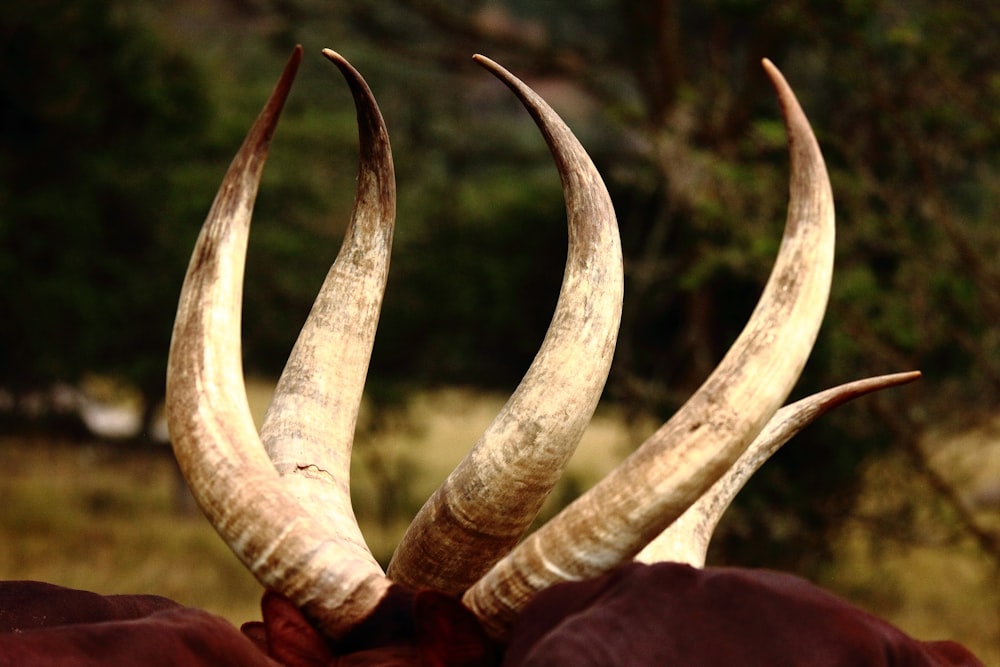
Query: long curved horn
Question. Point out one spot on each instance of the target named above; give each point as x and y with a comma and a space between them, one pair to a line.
613, 521
490, 499
686, 540
281, 537
308, 430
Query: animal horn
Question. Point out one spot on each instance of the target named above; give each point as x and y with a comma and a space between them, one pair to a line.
308, 430
686, 540
613, 521
274, 524
490, 499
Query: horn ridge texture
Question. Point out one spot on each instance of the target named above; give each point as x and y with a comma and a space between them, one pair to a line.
686, 540
274, 532
490, 499
613, 521
308, 430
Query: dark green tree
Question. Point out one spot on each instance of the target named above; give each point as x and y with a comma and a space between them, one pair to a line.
97, 183
670, 99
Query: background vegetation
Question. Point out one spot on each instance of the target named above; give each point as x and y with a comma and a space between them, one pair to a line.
118, 120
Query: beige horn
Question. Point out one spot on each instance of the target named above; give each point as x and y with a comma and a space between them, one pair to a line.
686, 540
487, 503
308, 430
282, 537
620, 515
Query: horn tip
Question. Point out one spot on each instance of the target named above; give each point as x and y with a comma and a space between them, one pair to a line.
777, 80
906, 377
493, 67
295, 58
332, 55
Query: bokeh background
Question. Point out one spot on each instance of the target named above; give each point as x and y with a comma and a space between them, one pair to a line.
117, 120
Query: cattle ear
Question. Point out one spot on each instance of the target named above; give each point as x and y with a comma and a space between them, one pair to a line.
449, 634
291, 638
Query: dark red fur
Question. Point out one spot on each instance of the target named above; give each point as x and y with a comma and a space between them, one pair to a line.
637, 615
427, 628
670, 614
27, 605
42, 624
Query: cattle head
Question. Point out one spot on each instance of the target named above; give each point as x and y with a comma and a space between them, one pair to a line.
280, 499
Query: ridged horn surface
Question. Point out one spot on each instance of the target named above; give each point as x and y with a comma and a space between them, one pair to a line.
308, 430
687, 538
613, 521
283, 540
487, 503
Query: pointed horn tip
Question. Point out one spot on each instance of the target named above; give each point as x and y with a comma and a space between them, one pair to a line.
857, 388
790, 107
295, 58
521, 89
535, 105
773, 73
353, 76
896, 379
785, 94
284, 85
835, 396
333, 56
342, 64
492, 66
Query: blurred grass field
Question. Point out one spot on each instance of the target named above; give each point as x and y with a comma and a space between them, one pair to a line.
105, 518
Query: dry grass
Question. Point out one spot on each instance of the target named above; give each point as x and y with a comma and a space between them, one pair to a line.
98, 518
103, 519
917, 570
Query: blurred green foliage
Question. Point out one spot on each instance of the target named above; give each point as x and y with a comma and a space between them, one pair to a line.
102, 135
118, 121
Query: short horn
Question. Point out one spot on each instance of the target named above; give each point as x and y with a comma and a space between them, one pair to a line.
613, 521
283, 540
687, 538
487, 503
